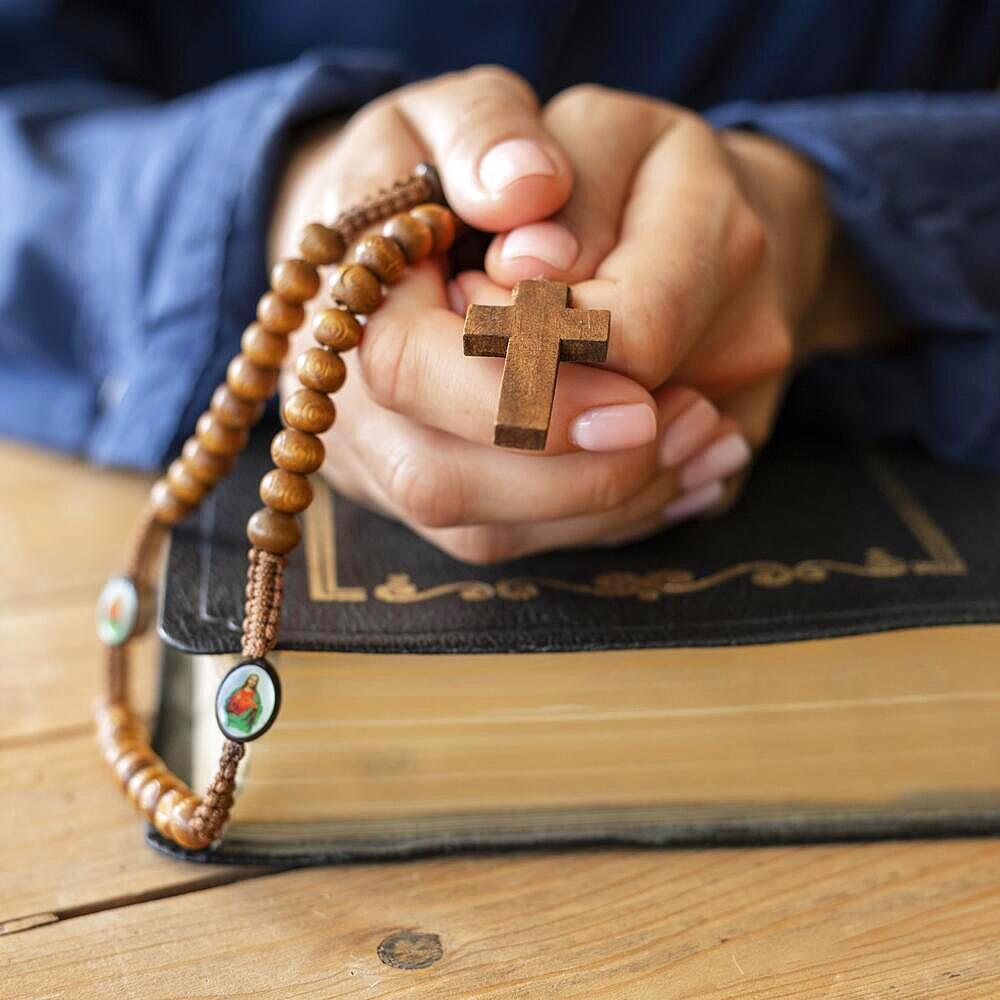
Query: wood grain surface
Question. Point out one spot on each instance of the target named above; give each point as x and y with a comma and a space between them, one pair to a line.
86, 910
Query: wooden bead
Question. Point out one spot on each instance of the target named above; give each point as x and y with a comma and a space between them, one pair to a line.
249, 381
138, 780
278, 316
286, 491
309, 410
321, 369
153, 790
297, 451
165, 806
414, 236
272, 531
441, 222
187, 488
219, 439
130, 763
180, 824
167, 509
357, 288
264, 349
113, 750
233, 411
204, 464
336, 329
383, 257
295, 281
321, 245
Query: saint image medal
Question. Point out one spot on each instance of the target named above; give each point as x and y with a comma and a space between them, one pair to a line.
117, 611
247, 701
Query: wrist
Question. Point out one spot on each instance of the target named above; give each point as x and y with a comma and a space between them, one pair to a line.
788, 192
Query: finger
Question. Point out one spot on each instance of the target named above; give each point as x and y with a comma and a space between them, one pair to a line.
755, 409
499, 167
688, 244
430, 479
412, 362
570, 246
748, 341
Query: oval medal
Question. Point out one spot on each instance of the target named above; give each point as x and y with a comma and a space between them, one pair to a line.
117, 611
248, 700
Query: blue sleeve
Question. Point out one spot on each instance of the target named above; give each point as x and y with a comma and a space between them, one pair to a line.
132, 246
914, 183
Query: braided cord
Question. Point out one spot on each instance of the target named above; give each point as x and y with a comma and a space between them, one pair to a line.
168, 803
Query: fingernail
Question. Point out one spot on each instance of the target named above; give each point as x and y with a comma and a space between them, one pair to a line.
456, 298
512, 160
614, 428
722, 458
692, 503
688, 432
545, 241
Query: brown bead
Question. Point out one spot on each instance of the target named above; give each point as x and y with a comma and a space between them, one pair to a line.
187, 488
219, 439
383, 257
441, 222
414, 236
357, 287
113, 750
286, 491
321, 369
321, 245
272, 531
180, 827
139, 779
153, 790
297, 451
250, 381
264, 349
130, 763
161, 816
310, 411
296, 281
167, 509
233, 411
204, 464
278, 316
336, 329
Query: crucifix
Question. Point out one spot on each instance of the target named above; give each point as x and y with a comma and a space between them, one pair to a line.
533, 335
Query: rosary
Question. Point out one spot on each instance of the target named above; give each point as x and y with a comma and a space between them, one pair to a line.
533, 334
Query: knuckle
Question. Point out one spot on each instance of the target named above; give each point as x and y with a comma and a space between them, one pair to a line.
500, 79
747, 242
777, 347
424, 492
608, 489
478, 545
579, 97
653, 319
383, 357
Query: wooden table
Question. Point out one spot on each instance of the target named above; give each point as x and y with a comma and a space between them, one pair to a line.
87, 910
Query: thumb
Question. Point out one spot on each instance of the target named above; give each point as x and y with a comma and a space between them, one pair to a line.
498, 165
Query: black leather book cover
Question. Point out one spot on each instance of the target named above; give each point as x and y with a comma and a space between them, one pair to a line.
829, 539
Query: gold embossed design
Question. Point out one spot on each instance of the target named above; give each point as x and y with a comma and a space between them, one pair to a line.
321, 548
941, 559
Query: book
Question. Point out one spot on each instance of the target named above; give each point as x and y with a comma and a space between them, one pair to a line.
820, 662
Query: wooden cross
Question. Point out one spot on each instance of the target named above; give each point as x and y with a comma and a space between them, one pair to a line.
534, 334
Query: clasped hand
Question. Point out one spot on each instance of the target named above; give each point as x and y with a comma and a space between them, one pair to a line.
708, 249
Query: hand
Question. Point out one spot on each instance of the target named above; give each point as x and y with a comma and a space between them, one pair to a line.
414, 431
709, 249
415, 426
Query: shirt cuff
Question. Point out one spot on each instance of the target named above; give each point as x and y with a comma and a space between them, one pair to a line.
195, 180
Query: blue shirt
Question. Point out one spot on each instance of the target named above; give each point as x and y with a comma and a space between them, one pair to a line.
140, 143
